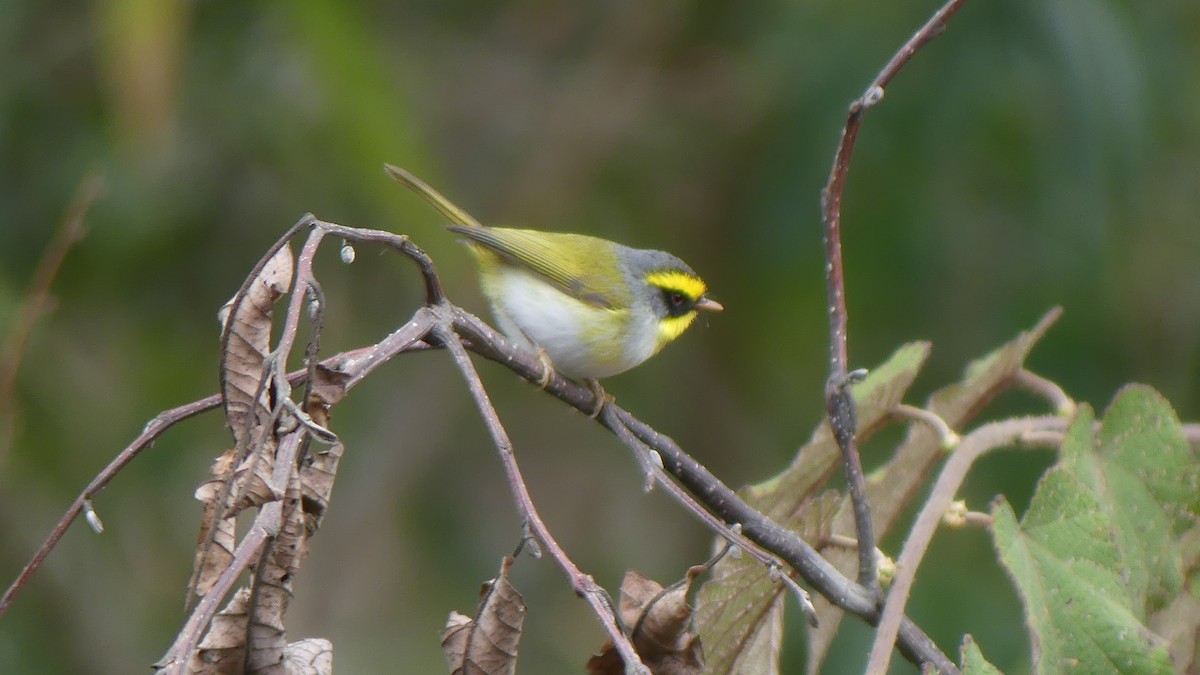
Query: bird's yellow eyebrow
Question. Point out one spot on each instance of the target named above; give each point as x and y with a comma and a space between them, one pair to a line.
673, 280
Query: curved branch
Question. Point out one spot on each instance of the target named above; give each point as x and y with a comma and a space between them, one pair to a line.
838, 402
973, 446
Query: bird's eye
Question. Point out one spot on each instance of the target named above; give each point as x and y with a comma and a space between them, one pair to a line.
677, 303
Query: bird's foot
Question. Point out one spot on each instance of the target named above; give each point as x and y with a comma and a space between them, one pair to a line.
602, 397
547, 368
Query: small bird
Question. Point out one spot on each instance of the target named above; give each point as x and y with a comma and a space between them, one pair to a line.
594, 308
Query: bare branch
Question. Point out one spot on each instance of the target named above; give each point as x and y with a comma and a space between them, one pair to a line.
838, 402
154, 428
947, 436
69, 231
732, 535
974, 445
583, 584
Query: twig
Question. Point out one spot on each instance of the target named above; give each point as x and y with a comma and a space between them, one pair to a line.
838, 403
1192, 432
947, 437
583, 584
69, 231
153, 429
733, 536
975, 444
1064, 405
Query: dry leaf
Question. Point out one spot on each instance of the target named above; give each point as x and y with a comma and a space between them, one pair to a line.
246, 341
313, 656
273, 583
241, 476
317, 474
218, 536
319, 468
487, 643
327, 389
223, 649
660, 624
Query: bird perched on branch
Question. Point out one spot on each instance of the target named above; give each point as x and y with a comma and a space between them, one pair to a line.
589, 307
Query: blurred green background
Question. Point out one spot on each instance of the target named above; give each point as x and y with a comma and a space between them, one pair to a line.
1038, 153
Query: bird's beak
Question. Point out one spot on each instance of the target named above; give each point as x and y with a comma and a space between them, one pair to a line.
709, 305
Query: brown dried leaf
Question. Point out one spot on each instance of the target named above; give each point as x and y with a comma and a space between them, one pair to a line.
249, 485
327, 390
313, 656
214, 550
273, 585
319, 468
246, 341
223, 649
317, 474
660, 622
217, 538
487, 643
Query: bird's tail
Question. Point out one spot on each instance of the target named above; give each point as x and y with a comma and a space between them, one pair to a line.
425, 190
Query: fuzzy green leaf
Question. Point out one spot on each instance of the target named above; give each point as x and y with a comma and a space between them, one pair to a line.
1098, 550
973, 662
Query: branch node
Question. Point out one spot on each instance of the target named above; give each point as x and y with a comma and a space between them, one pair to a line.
528, 541
958, 515
872, 96
886, 567
948, 438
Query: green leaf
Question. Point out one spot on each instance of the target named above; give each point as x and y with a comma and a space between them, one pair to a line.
739, 611
973, 662
874, 397
1099, 548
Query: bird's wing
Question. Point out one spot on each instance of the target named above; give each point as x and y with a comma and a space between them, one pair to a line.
568, 261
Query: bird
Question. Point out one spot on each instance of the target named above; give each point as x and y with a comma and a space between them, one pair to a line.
588, 307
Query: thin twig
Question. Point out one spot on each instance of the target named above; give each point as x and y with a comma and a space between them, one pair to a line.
946, 436
70, 230
733, 536
1064, 405
1192, 432
583, 584
973, 445
838, 402
153, 429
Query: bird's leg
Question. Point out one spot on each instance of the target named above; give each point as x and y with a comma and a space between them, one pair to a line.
602, 397
547, 366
